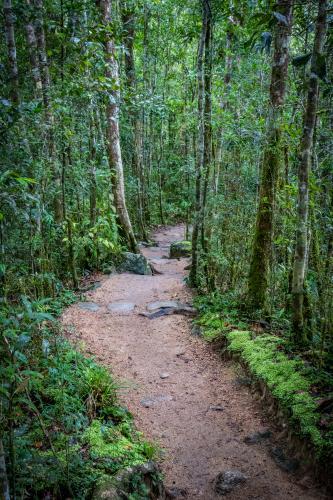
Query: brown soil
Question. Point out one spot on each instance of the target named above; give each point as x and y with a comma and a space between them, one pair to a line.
198, 441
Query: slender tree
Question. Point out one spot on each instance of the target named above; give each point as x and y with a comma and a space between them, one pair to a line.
273, 152
201, 146
49, 116
128, 19
11, 47
113, 138
302, 238
32, 46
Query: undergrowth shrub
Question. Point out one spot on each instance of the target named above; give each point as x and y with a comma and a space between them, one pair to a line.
62, 429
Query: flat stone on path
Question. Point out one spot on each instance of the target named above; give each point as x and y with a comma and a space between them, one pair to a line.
161, 304
121, 307
89, 306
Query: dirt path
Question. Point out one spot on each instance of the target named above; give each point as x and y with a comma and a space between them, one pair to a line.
178, 411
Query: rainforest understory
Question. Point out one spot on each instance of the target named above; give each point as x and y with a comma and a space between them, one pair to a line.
166, 249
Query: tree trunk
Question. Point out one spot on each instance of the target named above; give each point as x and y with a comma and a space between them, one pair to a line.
136, 146
207, 122
113, 139
302, 243
11, 47
32, 46
46, 86
4, 485
270, 168
193, 277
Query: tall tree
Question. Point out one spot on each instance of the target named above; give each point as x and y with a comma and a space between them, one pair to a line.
113, 138
200, 147
270, 167
11, 47
128, 19
305, 158
32, 47
49, 116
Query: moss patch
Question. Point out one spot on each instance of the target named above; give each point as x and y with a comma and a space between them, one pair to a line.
110, 442
180, 249
284, 379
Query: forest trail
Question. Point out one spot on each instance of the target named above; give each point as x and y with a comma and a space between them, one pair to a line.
180, 392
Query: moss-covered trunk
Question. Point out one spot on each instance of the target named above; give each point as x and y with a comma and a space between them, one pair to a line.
261, 251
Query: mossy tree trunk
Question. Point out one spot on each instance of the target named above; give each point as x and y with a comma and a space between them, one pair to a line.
302, 238
270, 167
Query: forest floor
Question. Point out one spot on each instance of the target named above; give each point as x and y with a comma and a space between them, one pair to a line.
183, 396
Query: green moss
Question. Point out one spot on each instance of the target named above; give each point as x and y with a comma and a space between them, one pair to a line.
180, 249
283, 377
109, 442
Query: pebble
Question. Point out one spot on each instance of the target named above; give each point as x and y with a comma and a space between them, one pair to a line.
164, 375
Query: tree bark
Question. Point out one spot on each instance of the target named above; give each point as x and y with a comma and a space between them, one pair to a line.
50, 122
207, 122
32, 46
4, 485
11, 47
128, 19
302, 243
270, 168
193, 277
113, 138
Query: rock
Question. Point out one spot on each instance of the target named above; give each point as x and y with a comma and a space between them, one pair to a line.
164, 375
148, 244
89, 306
130, 482
174, 492
216, 408
165, 307
286, 464
180, 249
228, 480
134, 263
257, 437
92, 286
107, 491
159, 304
157, 314
122, 308
196, 331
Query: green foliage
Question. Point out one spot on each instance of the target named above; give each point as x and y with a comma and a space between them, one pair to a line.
109, 445
284, 378
61, 425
